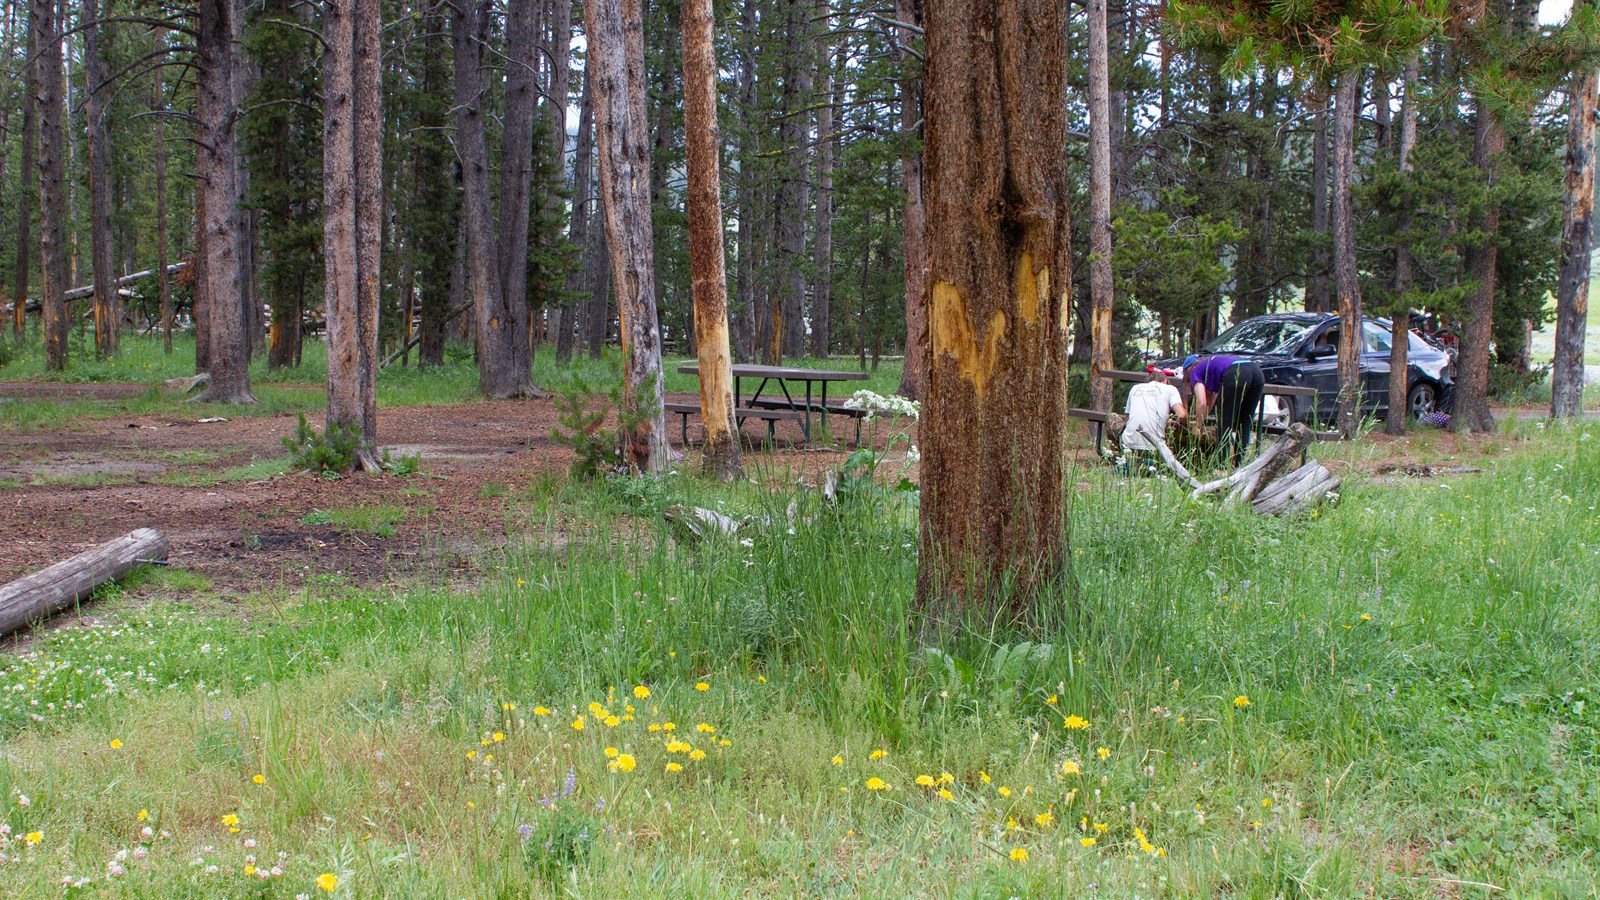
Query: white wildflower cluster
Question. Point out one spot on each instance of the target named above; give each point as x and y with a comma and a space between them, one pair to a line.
876, 404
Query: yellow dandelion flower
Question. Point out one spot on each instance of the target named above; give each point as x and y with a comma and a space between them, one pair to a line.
674, 767
653, 727
33, 837
983, 776
761, 678
230, 820
1101, 827
724, 742
707, 729
1019, 854
642, 692
472, 754
701, 686
507, 707
1088, 841
1103, 753
249, 870
1044, 819
838, 760
143, 815
116, 744
611, 753
697, 755
541, 711
1241, 701
328, 882
946, 778
623, 763
1003, 791
925, 781
668, 726
259, 778
878, 754
944, 794
1075, 722
1366, 618
612, 721
1052, 699
877, 784
1011, 825
499, 736
597, 710
1071, 768
1266, 803
577, 724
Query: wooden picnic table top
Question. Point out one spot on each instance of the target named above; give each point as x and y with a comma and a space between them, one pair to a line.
1279, 390
788, 373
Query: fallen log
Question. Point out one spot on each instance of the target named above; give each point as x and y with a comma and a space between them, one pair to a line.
43, 594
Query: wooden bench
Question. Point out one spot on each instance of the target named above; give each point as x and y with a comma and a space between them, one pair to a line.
1099, 421
831, 409
771, 416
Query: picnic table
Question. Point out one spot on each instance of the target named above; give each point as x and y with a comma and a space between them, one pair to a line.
783, 376
1278, 390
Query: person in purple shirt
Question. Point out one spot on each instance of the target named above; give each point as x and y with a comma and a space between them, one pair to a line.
1231, 385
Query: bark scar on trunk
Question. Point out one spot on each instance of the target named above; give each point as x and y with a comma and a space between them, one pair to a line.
1032, 289
954, 335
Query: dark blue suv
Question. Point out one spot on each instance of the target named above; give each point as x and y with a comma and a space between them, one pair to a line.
1301, 348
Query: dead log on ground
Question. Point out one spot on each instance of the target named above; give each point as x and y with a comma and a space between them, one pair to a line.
1263, 483
43, 594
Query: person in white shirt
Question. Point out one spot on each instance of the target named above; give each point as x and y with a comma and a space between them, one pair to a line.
1149, 404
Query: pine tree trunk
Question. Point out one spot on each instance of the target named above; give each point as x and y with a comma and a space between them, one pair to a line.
52, 247
1317, 299
437, 240
706, 259
106, 318
793, 193
746, 338
822, 240
163, 281
1345, 274
1577, 244
578, 229
1471, 404
28, 194
1100, 284
912, 217
994, 537
562, 316
495, 331
511, 322
352, 218
1400, 322
616, 53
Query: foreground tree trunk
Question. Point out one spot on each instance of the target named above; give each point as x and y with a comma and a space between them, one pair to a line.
1577, 229
218, 289
994, 538
706, 259
1471, 405
912, 218
1345, 276
616, 55
107, 315
1400, 323
52, 175
28, 196
1100, 284
352, 218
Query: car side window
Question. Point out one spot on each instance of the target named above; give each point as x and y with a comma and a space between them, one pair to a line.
1377, 339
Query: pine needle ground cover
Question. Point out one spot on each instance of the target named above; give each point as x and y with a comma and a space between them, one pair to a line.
1391, 698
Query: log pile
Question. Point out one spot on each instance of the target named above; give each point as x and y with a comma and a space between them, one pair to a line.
1268, 484
45, 593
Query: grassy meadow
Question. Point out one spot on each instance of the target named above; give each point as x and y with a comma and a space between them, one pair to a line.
1386, 698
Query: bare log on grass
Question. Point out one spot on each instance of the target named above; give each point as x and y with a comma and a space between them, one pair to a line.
43, 594
1171, 460
1262, 483
1292, 442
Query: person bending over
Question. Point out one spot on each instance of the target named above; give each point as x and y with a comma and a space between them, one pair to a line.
1232, 386
1149, 404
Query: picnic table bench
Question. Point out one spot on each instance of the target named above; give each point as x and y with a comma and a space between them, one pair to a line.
771, 416
772, 409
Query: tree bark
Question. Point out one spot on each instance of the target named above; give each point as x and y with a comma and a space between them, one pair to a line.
706, 259
1100, 285
994, 539
514, 374
1317, 299
1345, 274
788, 337
566, 314
1577, 244
163, 282
28, 196
914, 240
1400, 321
220, 283
616, 53
50, 591
107, 318
1470, 410
822, 239
52, 247
352, 218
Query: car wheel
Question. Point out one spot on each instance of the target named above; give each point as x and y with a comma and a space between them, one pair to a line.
1422, 400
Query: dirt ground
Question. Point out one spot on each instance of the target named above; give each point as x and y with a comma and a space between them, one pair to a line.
62, 491
65, 490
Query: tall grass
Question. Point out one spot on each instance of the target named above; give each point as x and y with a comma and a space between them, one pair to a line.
1391, 698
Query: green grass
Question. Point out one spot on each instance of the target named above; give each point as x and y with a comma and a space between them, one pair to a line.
1419, 660
255, 470
1544, 340
378, 518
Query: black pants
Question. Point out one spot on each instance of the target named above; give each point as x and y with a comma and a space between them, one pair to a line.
1237, 403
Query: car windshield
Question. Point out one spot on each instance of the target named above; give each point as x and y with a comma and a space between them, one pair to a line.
1268, 336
